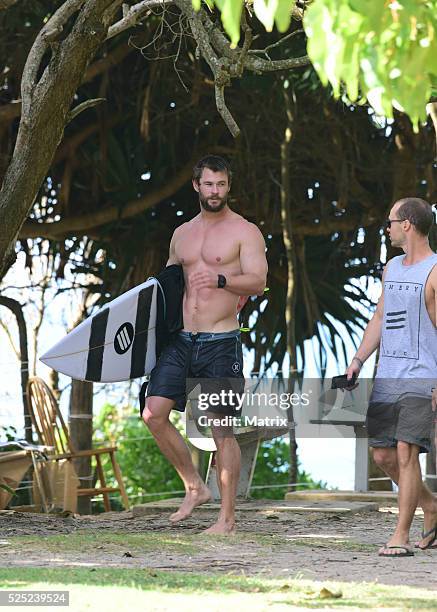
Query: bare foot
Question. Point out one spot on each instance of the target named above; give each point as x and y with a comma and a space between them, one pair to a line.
192, 499
395, 550
395, 547
429, 533
221, 528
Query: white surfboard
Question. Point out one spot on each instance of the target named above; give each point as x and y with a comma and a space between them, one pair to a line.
116, 343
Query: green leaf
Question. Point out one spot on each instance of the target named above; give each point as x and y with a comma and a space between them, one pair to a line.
385, 51
265, 10
231, 17
283, 14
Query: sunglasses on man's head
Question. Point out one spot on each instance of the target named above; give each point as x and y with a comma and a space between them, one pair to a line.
388, 222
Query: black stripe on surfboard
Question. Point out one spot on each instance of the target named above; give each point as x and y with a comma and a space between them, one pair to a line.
96, 346
139, 349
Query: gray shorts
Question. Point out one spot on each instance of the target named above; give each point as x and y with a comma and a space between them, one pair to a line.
409, 419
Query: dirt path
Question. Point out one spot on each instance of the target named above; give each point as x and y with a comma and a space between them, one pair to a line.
285, 544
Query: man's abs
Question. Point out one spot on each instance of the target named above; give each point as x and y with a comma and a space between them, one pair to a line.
210, 310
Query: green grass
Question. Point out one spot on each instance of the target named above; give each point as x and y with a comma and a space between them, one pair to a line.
85, 541
123, 589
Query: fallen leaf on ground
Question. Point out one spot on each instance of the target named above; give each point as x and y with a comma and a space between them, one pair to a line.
327, 594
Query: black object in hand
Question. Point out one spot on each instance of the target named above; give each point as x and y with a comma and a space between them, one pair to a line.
342, 382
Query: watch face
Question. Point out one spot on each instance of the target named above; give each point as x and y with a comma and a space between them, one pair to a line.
221, 281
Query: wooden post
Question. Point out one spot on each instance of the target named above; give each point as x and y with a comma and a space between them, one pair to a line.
289, 245
81, 433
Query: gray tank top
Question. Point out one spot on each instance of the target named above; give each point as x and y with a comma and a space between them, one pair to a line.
408, 348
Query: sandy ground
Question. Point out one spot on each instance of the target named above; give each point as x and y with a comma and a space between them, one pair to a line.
310, 545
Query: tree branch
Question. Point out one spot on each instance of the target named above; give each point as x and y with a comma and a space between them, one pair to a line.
248, 37
277, 43
39, 48
105, 63
109, 214
219, 67
255, 64
259, 65
69, 145
46, 105
213, 43
221, 81
134, 15
83, 106
204, 31
12, 110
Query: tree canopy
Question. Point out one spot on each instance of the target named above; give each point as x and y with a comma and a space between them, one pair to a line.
382, 52
116, 186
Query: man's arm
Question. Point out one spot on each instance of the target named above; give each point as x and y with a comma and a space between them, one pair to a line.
433, 279
371, 338
253, 262
172, 257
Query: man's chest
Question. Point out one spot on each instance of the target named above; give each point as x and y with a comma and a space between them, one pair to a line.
404, 297
210, 247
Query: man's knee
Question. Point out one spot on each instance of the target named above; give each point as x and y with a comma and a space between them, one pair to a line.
407, 453
156, 412
221, 435
385, 458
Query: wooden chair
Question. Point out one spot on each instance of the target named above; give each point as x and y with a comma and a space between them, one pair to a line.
52, 432
13, 465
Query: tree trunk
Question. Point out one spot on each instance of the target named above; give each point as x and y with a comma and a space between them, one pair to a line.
17, 309
290, 304
81, 432
46, 107
404, 163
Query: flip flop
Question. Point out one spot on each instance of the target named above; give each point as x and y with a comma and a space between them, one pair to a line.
426, 534
406, 552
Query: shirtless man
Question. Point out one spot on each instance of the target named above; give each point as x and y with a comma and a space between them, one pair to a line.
404, 395
223, 258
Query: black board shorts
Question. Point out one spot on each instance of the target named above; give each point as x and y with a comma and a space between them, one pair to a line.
409, 419
214, 358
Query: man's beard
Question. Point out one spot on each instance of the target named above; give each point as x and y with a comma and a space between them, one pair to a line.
214, 209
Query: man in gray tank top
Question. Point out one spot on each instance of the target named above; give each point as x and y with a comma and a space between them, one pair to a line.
400, 418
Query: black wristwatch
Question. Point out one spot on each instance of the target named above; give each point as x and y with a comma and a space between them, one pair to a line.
221, 281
